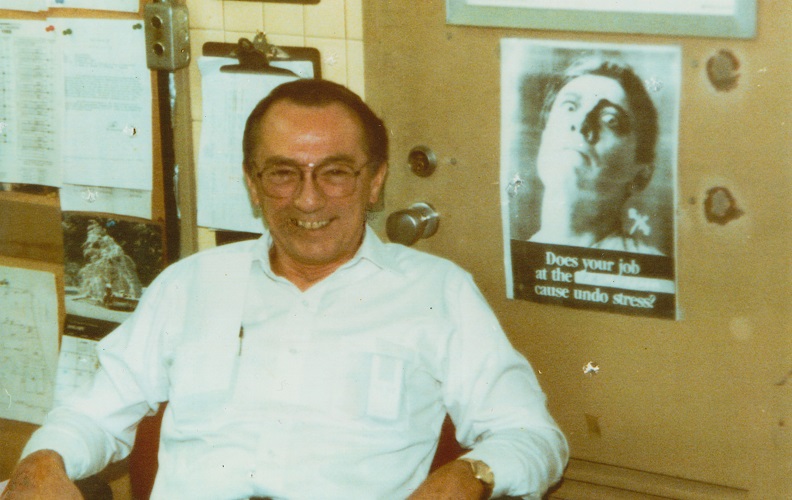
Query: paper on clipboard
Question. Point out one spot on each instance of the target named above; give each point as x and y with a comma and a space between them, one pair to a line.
228, 99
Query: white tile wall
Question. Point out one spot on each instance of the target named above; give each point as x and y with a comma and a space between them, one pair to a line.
326, 20
243, 16
284, 19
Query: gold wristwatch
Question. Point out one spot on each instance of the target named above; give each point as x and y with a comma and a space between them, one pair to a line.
482, 472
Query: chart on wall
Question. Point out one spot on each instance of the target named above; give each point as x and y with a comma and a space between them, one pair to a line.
589, 136
28, 343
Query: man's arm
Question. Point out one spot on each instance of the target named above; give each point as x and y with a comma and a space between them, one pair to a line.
41, 474
496, 403
96, 424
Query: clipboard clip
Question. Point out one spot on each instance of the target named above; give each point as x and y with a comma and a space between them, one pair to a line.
255, 56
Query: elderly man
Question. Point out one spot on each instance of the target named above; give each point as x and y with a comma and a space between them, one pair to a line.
597, 150
316, 362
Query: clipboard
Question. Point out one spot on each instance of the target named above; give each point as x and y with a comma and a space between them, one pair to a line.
257, 56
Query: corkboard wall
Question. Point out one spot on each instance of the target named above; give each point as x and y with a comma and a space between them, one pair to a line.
31, 238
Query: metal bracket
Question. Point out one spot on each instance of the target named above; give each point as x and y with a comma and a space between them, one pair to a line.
167, 35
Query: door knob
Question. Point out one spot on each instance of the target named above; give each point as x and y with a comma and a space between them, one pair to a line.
410, 225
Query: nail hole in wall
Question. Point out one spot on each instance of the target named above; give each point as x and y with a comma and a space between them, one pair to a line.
722, 70
720, 206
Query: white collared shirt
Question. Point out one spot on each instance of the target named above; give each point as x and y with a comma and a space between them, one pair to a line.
335, 392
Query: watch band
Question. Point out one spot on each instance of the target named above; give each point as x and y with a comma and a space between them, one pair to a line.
482, 472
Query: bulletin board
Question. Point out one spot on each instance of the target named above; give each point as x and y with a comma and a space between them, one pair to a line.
31, 232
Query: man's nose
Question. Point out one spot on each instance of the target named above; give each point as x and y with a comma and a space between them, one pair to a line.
308, 195
587, 125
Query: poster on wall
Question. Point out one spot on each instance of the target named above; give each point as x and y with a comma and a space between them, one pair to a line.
589, 136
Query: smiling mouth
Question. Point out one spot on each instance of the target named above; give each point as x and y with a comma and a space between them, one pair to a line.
304, 224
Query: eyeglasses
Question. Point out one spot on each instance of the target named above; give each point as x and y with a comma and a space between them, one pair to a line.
335, 178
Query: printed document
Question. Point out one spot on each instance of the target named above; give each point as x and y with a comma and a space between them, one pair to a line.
28, 343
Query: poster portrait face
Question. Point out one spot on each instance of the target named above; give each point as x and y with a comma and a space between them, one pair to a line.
588, 165
588, 148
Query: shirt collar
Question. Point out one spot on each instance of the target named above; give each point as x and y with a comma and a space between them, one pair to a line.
375, 251
372, 250
260, 253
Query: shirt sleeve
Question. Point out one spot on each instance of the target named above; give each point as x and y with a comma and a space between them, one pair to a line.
97, 424
495, 401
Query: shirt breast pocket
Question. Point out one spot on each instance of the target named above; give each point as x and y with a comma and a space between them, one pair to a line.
385, 382
385, 386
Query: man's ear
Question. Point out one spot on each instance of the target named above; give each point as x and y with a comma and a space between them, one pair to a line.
251, 187
642, 177
378, 182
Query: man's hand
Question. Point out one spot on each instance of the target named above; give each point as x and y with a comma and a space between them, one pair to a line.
453, 481
41, 475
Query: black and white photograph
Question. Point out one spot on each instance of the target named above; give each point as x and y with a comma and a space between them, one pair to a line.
108, 264
588, 168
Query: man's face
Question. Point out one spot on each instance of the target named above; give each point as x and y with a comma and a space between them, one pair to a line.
588, 147
308, 227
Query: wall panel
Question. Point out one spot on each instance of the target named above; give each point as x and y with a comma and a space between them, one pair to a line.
705, 398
